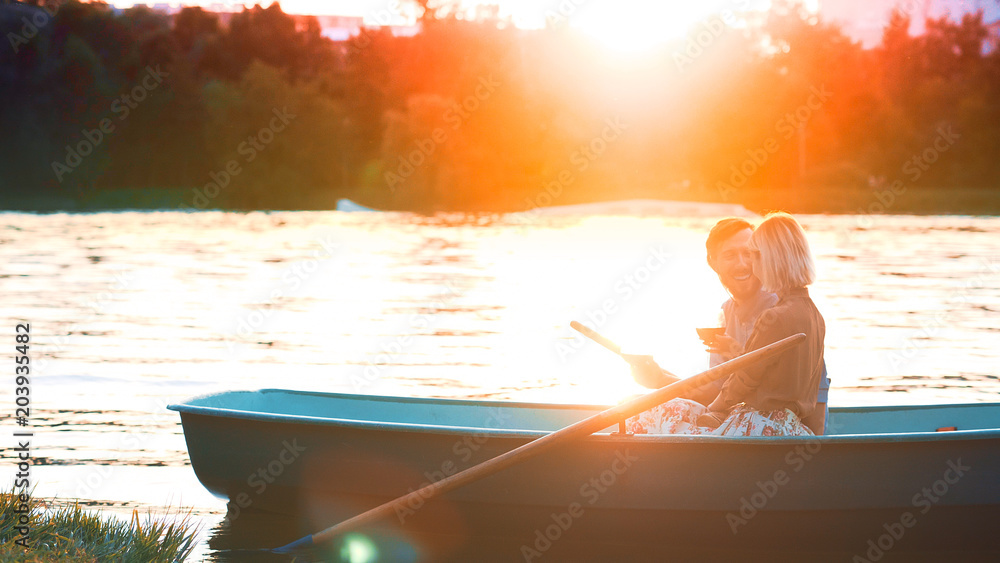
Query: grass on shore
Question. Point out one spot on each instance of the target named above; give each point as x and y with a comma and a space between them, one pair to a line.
76, 536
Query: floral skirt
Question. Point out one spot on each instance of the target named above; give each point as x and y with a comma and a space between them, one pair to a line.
680, 416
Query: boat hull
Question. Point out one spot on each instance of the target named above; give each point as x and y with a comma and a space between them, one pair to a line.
912, 492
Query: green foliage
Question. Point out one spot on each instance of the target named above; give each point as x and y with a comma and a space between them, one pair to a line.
281, 164
74, 535
495, 114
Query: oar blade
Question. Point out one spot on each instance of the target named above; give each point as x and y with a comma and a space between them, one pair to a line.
593, 335
297, 545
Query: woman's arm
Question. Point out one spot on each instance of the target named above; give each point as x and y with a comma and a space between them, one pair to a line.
743, 383
739, 386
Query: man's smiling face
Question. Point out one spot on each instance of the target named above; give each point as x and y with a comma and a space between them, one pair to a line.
734, 264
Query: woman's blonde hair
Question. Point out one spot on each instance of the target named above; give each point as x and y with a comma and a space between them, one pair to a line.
785, 259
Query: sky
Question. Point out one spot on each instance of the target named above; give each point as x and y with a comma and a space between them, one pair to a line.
631, 24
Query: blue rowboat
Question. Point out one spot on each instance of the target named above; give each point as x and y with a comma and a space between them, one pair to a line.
344, 204
885, 481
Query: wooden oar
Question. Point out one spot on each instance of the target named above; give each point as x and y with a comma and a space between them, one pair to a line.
579, 429
635, 360
645, 364
592, 334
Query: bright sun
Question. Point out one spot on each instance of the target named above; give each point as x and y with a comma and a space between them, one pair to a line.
631, 26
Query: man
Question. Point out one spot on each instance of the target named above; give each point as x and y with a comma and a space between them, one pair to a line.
731, 260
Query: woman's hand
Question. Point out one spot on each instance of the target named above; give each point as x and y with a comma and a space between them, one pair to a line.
725, 346
711, 420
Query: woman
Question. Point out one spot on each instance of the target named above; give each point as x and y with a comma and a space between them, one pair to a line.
772, 397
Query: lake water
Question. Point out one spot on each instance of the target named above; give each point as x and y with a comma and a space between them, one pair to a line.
132, 311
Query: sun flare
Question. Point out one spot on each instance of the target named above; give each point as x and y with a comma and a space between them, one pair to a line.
633, 26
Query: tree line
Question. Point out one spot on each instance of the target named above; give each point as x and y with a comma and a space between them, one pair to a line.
258, 110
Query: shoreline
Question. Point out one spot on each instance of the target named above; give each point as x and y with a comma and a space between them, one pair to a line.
821, 201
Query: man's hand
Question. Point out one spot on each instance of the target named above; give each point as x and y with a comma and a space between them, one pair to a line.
725, 346
647, 373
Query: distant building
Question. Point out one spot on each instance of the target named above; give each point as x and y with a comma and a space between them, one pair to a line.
161, 7
340, 28
336, 28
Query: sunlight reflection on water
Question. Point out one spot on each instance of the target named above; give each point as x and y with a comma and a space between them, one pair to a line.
132, 311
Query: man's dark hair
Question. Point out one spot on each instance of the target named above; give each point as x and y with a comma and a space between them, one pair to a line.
722, 230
